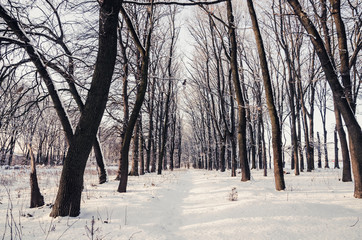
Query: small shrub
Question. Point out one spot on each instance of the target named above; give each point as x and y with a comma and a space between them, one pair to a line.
233, 196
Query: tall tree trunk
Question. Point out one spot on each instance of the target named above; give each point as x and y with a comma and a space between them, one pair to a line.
71, 183
165, 129
346, 80
244, 164
276, 137
141, 90
124, 98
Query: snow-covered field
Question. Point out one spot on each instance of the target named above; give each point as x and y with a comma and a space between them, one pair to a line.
186, 204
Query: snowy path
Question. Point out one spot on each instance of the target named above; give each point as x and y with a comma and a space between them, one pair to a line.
190, 205
196, 206
175, 208
186, 209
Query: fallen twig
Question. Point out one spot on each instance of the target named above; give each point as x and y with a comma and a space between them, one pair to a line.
355, 222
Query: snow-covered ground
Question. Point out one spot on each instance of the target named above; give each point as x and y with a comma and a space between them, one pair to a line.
186, 204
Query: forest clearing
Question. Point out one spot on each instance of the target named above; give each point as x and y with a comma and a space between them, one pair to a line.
186, 204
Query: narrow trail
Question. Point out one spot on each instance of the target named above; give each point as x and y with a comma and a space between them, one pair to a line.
166, 209
184, 209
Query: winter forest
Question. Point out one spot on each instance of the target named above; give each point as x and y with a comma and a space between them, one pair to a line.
185, 119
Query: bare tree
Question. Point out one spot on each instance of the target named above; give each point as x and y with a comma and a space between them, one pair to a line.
276, 133
141, 90
339, 96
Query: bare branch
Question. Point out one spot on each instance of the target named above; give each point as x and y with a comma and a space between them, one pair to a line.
192, 3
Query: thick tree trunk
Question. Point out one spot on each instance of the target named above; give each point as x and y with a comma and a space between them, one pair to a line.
71, 182
276, 136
